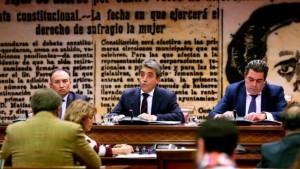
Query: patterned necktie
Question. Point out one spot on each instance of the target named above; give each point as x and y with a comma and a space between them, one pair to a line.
144, 108
252, 106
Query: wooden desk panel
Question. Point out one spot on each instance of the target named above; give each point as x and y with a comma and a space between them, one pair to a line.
178, 158
179, 135
252, 136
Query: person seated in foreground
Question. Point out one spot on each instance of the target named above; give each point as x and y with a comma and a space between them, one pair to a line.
253, 98
45, 140
83, 113
281, 154
216, 142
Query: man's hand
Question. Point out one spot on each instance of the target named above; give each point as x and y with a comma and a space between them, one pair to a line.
122, 149
227, 114
117, 118
256, 116
146, 116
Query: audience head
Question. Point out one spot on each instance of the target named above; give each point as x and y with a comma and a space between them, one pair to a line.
60, 81
255, 76
81, 112
291, 118
45, 100
150, 73
218, 135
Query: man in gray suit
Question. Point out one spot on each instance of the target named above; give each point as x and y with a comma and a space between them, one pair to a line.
45, 140
281, 154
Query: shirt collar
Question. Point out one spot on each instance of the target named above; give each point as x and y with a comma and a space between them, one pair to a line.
65, 98
150, 93
248, 94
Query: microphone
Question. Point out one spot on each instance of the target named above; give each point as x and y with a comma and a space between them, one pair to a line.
234, 114
26, 114
131, 114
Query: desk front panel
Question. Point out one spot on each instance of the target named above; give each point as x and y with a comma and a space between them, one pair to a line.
179, 135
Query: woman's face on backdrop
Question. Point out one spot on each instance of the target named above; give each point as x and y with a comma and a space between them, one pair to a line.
283, 54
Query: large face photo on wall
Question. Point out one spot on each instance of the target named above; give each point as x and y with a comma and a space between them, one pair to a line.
273, 36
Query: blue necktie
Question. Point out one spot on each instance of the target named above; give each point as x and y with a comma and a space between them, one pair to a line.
144, 108
252, 106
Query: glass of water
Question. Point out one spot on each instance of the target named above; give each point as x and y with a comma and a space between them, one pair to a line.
108, 119
192, 120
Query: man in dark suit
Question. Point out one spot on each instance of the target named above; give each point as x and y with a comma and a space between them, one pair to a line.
160, 104
60, 81
268, 100
282, 154
45, 140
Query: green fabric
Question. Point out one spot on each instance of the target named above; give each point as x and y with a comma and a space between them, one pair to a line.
46, 140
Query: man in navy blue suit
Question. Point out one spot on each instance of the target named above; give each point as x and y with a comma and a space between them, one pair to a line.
269, 98
161, 104
60, 81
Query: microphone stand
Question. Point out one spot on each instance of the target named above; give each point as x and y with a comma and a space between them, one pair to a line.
131, 115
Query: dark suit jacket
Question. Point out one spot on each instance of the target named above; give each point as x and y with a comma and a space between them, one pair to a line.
280, 154
74, 96
164, 104
272, 100
44, 140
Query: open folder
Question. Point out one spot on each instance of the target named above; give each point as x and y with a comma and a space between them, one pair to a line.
241, 121
127, 120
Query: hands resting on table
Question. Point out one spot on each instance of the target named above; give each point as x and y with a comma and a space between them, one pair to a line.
122, 149
146, 116
251, 116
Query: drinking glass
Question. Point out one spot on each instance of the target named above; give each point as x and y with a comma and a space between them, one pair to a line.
108, 119
192, 120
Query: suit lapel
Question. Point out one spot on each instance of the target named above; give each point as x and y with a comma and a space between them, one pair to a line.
156, 100
241, 107
264, 98
135, 102
70, 99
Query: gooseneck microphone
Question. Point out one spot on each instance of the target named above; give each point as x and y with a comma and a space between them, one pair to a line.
234, 114
131, 114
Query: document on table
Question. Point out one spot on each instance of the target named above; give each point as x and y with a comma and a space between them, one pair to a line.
134, 155
165, 122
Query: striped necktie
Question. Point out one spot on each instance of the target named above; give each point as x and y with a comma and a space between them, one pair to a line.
144, 108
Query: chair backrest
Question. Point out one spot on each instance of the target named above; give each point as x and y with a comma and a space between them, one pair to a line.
176, 159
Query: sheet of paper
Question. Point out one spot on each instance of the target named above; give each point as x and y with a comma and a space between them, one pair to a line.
134, 155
